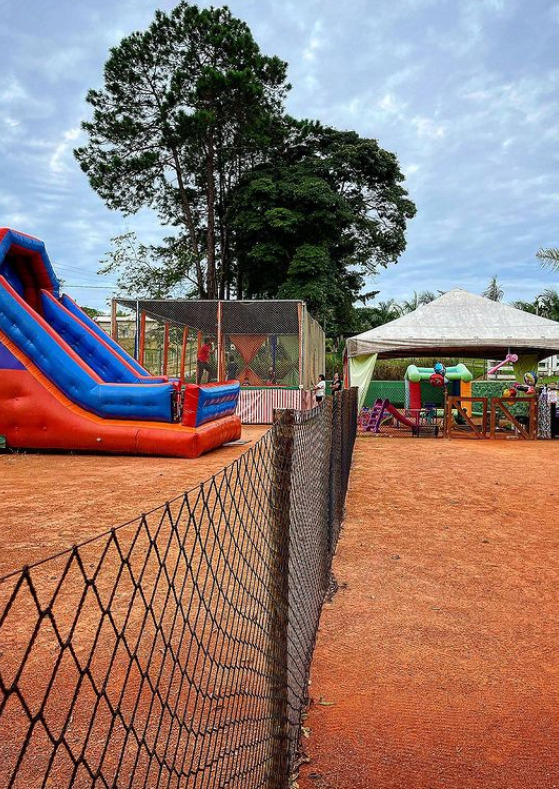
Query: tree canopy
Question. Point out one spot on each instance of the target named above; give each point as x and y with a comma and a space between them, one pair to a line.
314, 222
190, 122
186, 106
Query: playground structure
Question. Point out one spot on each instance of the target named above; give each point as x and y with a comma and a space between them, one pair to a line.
462, 325
274, 348
496, 412
66, 385
421, 418
438, 376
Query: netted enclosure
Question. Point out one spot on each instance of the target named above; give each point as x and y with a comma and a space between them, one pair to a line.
259, 343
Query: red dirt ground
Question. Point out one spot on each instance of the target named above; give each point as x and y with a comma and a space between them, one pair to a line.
49, 502
438, 666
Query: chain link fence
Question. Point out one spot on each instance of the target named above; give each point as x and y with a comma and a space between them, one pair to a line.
174, 651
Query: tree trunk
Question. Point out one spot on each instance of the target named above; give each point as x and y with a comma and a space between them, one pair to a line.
190, 226
211, 279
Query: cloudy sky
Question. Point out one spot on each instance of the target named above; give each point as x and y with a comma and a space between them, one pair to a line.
465, 92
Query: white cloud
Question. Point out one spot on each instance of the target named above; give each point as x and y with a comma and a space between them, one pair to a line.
57, 163
315, 43
389, 103
12, 92
428, 128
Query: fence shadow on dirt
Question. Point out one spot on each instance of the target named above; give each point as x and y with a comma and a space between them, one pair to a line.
174, 651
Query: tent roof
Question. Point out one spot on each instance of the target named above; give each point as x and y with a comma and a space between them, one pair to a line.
460, 324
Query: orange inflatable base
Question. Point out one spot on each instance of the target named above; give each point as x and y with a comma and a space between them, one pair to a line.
36, 415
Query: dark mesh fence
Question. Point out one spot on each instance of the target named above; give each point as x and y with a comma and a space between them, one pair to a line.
174, 651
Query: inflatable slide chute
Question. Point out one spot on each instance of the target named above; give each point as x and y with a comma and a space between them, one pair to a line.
64, 384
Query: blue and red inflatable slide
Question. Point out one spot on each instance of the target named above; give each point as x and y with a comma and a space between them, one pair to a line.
65, 384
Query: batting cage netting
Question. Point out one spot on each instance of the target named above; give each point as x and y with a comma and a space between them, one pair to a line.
259, 343
174, 651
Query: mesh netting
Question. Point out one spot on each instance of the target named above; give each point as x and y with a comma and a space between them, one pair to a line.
264, 342
257, 360
174, 651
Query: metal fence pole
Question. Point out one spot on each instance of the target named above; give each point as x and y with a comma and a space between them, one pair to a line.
283, 440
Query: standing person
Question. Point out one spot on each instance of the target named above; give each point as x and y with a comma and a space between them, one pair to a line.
337, 383
320, 388
203, 360
232, 367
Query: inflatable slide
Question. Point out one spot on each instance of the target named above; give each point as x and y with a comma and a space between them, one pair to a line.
65, 384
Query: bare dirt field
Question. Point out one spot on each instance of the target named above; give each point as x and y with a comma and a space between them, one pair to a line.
49, 502
437, 665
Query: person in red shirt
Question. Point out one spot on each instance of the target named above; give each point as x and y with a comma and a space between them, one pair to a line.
203, 361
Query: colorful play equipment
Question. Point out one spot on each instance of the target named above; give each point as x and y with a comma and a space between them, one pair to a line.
64, 384
438, 376
383, 408
510, 358
528, 387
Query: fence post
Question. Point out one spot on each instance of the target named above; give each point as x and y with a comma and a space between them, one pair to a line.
354, 405
345, 441
283, 440
335, 472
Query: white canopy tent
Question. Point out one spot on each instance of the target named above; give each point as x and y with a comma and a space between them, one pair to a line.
456, 324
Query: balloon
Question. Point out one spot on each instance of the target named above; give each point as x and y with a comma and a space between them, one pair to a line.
436, 380
439, 368
531, 378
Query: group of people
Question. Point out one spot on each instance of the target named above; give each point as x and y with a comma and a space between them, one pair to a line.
203, 366
320, 388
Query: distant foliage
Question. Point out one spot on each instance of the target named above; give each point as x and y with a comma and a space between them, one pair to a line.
546, 304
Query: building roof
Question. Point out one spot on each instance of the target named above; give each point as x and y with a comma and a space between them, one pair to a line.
460, 324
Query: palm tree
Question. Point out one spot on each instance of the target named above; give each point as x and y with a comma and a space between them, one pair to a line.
417, 300
546, 305
385, 311
527, 306
549, 258
493, 291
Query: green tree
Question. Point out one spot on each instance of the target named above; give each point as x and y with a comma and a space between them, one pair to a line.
494, 291
92, 312
377, 315
545, 304
417, 300
327, 211
187, 106
151, 271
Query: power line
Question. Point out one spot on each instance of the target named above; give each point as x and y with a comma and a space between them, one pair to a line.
95, 287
